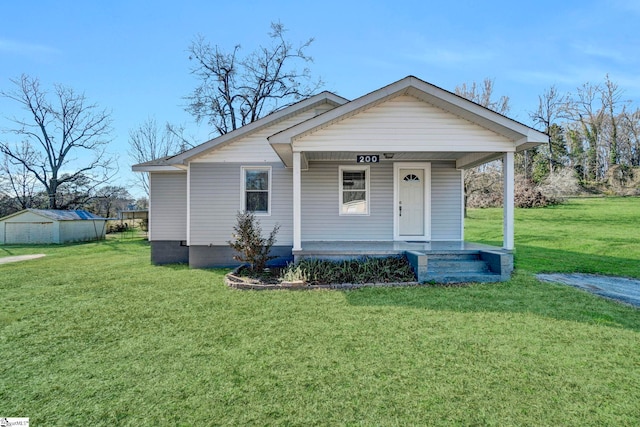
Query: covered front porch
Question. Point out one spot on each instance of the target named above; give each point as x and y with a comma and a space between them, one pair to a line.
429, 193
384, 174
437, 261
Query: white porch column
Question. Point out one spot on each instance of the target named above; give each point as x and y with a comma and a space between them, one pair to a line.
297, 210
508, 176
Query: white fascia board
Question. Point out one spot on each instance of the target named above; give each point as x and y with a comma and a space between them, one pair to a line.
533, 139
14, 214
476, 159
227, 138
537, 136
157, 168
471, 111
420, 89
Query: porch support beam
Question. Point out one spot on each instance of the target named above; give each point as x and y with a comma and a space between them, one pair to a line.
297, 198
508, 176
474, 159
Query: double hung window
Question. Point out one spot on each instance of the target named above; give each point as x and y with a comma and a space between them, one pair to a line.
256, 190
354, 190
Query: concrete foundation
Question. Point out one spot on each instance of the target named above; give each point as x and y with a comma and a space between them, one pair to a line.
222, 256
169, 252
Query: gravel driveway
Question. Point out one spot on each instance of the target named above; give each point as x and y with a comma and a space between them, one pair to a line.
617, 288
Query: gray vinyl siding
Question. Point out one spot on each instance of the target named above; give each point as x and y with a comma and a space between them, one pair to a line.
320, 217
446, 202
321, 220
216, 200
403, 123
168, 212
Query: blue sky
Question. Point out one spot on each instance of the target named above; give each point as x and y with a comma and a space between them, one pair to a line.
130, 56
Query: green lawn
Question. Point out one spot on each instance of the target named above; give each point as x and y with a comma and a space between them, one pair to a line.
94, 335
584, 235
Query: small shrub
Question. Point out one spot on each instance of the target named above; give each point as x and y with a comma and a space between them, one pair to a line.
528, 195
248, 242
295, 274
561, 183
118, 227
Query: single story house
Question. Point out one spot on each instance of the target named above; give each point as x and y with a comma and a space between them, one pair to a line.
45, 226
377, 175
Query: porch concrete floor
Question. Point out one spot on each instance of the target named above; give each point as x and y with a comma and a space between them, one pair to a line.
391, 247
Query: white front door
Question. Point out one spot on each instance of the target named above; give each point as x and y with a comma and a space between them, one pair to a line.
412, 184
411, 202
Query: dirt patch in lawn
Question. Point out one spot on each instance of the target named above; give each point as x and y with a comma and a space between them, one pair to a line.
617, 288
8, 259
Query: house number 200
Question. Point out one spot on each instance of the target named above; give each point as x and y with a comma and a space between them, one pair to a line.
362, 158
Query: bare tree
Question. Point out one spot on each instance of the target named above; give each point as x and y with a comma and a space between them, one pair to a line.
484, 96
612, 104
148, 142
630, 129
551, 109
18, 182
234, 91
66, 140
484, 179
588, 119
110, 199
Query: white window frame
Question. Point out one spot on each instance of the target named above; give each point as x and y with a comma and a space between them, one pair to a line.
367, 185
243, 196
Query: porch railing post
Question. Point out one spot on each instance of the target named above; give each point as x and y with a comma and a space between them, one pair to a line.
508, 176
297, 210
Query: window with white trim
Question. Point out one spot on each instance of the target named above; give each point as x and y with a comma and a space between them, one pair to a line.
256, 190
354, 190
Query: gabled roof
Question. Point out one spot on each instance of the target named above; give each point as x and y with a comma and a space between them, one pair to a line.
523, 136
179, 160
60, 215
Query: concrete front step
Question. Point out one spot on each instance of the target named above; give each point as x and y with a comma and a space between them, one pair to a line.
461, 267
457, 266
457, 256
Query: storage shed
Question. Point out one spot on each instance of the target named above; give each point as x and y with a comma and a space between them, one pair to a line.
43, 226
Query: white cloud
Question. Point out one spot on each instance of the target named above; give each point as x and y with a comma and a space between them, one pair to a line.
571, 77
602, 52
27, 49
628, 5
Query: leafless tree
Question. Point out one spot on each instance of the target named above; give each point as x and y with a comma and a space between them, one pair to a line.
233, 90
484, 179
148, 142
597, 115
588, 120
551, 109
484, 96
18, 182
110, 199
66, 140
613, 105
630, 136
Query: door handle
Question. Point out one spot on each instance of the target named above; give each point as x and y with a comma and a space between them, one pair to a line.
401, 210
